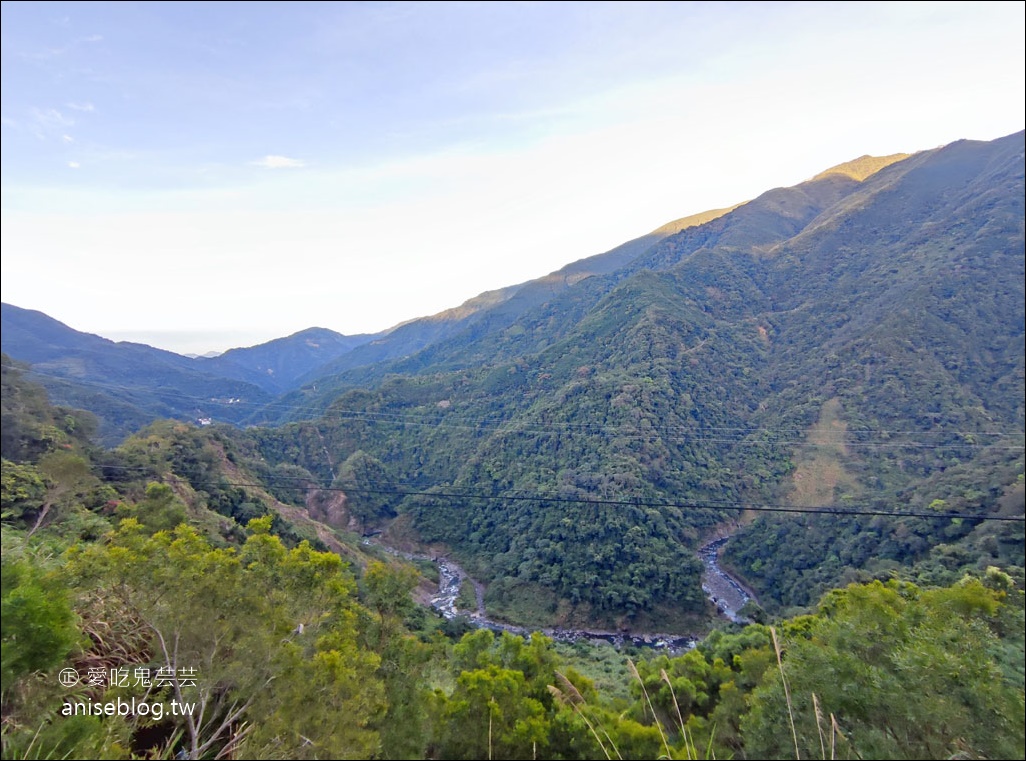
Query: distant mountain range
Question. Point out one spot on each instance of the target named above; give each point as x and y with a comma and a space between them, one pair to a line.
854, 343
129, 384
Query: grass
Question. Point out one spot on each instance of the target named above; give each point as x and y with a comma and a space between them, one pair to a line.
604, 665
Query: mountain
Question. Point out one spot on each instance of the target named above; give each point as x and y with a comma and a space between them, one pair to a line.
521, 319
856, 340
488, 314
851, 347
277, 365
128, 385
125, 384
111, 554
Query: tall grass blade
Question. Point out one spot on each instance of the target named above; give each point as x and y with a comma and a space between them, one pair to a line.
574, 700
659, 724
787, 691
819, 724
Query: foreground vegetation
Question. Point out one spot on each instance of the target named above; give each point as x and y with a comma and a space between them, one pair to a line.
880, 670
162, 575
852, 346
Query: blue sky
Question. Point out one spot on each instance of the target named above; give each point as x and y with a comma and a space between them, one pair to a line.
203, 175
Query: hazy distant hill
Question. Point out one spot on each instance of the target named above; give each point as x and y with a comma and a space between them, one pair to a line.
277, 365
128, 385
125, 384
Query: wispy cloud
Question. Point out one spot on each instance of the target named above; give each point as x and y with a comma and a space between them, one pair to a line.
67, 138
49, 123
279, 162
51, 117
87, 106
44, 54
74, 165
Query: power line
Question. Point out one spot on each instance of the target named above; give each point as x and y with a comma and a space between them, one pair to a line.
678, 434
383, 416
560, 499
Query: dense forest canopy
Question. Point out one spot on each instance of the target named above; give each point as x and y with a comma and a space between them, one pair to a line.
190, 634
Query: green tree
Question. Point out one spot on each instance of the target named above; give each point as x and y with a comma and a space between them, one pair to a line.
23, 490
491, 714
268, 635
405, 659
905, 672
161, 510
37, 622
67, 476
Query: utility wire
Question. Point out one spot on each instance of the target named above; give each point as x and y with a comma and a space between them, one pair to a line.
541, 428
678, 434
296, 482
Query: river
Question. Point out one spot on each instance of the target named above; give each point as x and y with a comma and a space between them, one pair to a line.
725, 592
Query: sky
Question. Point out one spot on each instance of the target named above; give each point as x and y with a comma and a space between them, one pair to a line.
198, 176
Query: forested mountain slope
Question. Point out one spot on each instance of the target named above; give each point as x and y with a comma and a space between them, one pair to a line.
129, 583
581, 452
851, 349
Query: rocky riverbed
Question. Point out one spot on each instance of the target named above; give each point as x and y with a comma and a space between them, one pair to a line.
725, 592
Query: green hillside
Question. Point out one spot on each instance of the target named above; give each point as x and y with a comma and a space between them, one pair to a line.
141, 618
580, 454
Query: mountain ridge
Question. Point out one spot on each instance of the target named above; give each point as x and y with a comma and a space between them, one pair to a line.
837, 297
572, 439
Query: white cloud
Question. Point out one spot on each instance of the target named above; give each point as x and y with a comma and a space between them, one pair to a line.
81, 106
279, 162
73, 165
51, 118
68, 139
49, 123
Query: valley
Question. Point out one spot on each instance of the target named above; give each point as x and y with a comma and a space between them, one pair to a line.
724, 592
773, 453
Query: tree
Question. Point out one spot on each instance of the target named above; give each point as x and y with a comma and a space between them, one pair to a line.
67, 474
37, 623
492, 715
161, 510
23, 490
905, 672
267, 638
